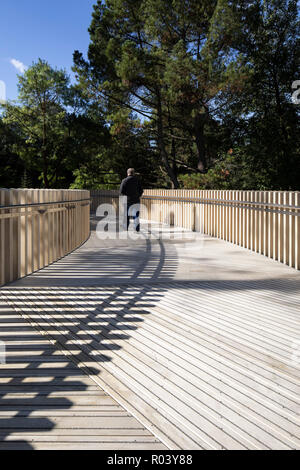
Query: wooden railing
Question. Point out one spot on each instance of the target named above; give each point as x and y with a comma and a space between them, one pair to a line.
38, 227
102, 196
266, 222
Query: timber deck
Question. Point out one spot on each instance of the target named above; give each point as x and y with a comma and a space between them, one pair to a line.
180, 343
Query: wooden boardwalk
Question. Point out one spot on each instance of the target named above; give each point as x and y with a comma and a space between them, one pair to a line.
180, 343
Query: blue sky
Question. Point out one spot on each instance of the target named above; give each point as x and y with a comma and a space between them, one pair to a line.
49, 29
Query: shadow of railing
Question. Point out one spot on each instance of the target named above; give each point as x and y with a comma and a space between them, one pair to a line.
35, 383
86, 305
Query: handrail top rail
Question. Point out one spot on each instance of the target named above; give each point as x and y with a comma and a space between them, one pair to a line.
232, 201
38, 204
200, 200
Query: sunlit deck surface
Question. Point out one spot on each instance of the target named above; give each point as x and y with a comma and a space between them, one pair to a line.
179, 342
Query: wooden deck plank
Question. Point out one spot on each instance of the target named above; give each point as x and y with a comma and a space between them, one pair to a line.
105, 433
61, 445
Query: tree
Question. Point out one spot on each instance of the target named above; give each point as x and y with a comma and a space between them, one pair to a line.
128, 146
57, 129
11, 166
41, 115
133, 82
263, 118
169, 63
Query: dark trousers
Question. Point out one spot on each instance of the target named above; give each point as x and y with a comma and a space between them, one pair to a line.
134, 213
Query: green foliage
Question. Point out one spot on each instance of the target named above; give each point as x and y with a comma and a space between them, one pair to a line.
11, 166
234, 170
55, 128
39, 118
167, 88
205, 76
84, 178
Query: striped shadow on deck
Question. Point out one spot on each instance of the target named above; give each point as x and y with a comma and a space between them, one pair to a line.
48, 402
198, 376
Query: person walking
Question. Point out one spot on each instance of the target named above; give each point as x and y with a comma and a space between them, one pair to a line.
131, 188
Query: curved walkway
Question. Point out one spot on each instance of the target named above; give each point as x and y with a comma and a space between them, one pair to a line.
197, 339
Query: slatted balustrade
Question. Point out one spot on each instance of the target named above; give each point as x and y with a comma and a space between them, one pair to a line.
266, 222
38, 227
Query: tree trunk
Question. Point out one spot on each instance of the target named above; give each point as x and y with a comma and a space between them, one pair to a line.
46, 181
45, 168
161, 144
173, 146
199, 137
173, 153
44, 152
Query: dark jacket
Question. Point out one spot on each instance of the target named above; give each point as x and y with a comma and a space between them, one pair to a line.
132, 188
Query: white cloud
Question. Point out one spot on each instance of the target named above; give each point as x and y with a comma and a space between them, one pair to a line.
18, 65
2, 98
